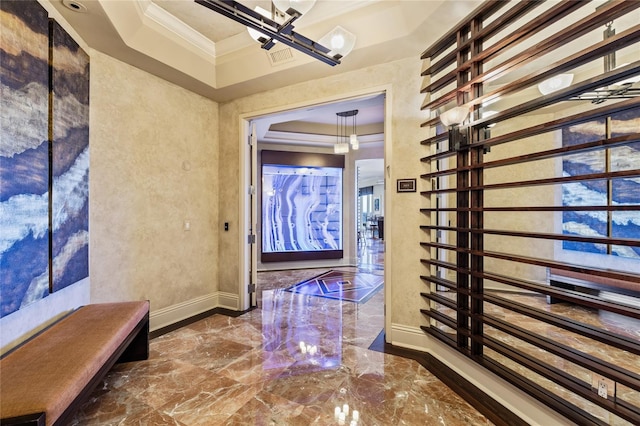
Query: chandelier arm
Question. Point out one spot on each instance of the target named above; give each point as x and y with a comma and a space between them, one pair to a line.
283, 33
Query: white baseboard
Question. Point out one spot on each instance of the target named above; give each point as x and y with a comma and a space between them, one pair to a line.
409, 337
228, 301
172, 314
175, 313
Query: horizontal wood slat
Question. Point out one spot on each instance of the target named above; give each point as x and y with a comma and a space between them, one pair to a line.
543, 155
475, 270
600, 17
606, 369
541, 235
560, 377
616, 340
549, 126
613, 208
560, 404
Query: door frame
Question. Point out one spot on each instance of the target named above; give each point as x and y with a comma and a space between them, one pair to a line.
247, 251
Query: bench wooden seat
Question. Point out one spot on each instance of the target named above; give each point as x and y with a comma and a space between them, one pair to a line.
46, 379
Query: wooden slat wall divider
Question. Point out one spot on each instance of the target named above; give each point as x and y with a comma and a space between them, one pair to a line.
503, 215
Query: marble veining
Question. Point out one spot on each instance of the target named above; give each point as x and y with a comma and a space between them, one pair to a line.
292, 361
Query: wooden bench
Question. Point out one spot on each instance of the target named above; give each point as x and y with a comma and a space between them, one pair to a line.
47, 378
591, 284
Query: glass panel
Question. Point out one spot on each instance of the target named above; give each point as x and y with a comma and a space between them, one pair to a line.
301, 208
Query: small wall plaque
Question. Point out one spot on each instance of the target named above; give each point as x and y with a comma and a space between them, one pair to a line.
406, 185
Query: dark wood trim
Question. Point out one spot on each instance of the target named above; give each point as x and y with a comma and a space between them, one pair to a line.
571, 296
438, 281
538, 182
607, 109
571, 33
621, 342
587, 85
435, 297
514, 13
444, 319
591, 363
485, 10
489, 407
537, 235
624, 39
610, 208
555, 402
600, 144
308, 159
467, 333
560, 377
36, 419
517, 36
287, 256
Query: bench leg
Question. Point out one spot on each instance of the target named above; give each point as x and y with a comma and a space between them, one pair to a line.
36, 419
559, 284
138, 349
552, 300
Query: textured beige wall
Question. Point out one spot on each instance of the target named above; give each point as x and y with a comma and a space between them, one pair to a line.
154, 164
404, 133
541, 195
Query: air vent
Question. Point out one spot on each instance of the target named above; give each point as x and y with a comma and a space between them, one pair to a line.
280, 56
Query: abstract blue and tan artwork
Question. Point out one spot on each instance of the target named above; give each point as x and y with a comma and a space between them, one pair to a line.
44, 156
301, 208
70, 159
24, 154
620, 191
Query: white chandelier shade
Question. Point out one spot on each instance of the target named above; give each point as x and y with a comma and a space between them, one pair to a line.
300, 6
340, 41
255, 34
555, 83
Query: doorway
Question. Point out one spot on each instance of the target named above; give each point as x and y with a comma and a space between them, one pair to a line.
312, 129
370, 214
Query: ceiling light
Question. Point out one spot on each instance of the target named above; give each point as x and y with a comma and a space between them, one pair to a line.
272, 30
75, 6
255, 34
300, 6
346, 134
340, 41
555, 83
353, 140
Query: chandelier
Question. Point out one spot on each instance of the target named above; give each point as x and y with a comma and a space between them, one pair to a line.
264, 27
346, 133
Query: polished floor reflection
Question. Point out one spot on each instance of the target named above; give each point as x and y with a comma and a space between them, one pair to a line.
292, 361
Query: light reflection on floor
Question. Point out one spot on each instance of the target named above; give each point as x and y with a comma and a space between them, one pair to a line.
253, 370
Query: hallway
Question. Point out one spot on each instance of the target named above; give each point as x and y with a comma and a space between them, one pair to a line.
253, 370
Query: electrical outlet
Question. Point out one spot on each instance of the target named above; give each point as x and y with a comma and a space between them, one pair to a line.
602, 388
605, 387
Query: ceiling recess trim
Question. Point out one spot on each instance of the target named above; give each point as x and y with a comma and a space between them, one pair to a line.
272, 30
168, 21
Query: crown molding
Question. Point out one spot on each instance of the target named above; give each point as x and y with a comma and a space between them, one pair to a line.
174, 25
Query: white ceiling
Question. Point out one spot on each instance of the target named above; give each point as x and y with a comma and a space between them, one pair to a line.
194, 47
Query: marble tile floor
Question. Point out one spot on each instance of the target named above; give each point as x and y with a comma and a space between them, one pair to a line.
292, 361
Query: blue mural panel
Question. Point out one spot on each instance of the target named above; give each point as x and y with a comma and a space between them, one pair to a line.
624, 191
70, 159
24, 155
301, 208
